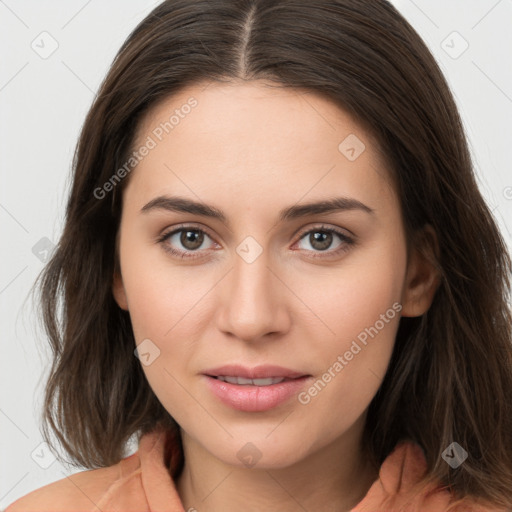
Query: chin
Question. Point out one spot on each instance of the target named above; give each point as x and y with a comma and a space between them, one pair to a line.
258, 451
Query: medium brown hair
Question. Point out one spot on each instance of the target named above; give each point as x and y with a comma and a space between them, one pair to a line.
450, 375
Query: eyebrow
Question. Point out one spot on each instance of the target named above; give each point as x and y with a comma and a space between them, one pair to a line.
184, 205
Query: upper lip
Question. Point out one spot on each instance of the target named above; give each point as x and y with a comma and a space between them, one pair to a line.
257, 372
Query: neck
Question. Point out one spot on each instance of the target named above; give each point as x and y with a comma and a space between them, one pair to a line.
335, 477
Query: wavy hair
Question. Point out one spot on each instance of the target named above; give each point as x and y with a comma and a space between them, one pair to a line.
450, 374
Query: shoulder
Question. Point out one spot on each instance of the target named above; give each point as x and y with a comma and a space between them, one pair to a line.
79, 492
403, 484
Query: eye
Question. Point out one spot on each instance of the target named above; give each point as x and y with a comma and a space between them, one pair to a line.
322, 238
184, 241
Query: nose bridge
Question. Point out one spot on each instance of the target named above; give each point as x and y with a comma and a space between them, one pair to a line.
252, 305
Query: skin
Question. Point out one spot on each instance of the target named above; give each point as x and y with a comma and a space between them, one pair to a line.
251, 150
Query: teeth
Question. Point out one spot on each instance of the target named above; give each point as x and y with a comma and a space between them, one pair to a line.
242, 381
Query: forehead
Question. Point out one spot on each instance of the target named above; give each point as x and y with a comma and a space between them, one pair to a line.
268, 105
254, 138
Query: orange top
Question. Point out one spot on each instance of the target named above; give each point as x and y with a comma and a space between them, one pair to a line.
143, 482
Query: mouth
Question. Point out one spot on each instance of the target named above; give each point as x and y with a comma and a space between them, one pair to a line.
254, 389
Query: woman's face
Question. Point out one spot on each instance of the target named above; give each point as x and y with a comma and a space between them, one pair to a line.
259, 277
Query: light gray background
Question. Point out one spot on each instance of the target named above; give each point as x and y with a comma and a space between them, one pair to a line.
44, 101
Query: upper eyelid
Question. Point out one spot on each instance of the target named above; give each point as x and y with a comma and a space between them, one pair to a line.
323, 227
191, 227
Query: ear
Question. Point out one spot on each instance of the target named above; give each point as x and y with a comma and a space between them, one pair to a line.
422, 276
118, 291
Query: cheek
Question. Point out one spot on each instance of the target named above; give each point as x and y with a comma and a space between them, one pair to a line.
165, 304
353, 295
161, 295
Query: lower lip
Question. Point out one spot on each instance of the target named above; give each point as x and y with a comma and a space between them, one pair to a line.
255, 398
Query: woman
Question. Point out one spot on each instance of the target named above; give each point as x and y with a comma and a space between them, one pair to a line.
278, 273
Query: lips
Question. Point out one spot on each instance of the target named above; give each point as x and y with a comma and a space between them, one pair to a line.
254, 389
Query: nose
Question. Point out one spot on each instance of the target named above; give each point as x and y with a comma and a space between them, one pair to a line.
254, 301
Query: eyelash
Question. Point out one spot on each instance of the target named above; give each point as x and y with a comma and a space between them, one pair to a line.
347, 242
